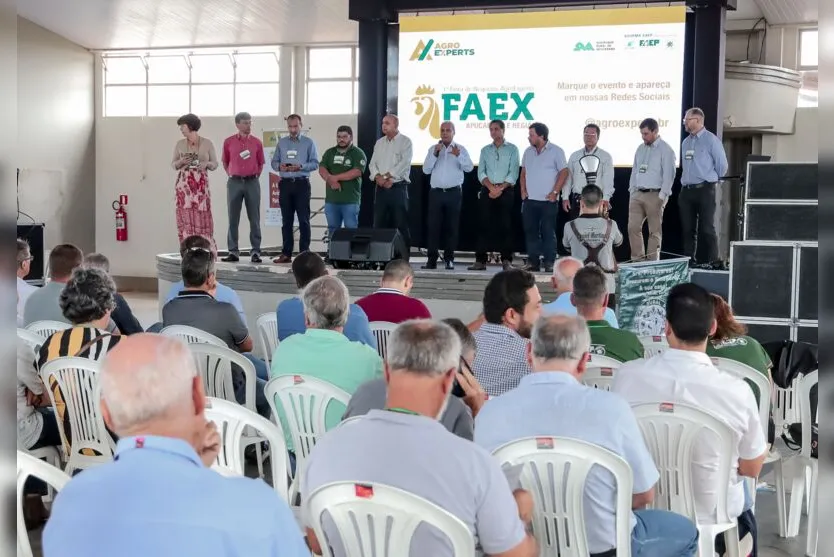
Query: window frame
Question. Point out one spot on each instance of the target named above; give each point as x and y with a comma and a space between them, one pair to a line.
802, 33
353, 79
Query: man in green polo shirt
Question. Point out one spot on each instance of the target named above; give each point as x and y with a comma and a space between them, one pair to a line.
590, 296
341, 169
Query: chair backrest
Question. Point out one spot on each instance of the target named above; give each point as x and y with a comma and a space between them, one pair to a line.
305, 400
555, 471
786, 406
47, 328
380, 520
671, 432
381, 330
28, 465
267, 325
653, 345
743, 371
192, 335
33, 339
806, 414
215, 366
78, 381
232, 421
600, 372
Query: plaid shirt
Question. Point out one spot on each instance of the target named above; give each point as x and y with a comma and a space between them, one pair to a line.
501, 361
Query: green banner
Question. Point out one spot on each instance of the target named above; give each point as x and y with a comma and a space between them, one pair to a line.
641, 293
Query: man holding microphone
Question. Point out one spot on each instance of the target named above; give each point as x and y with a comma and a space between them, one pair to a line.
445, 162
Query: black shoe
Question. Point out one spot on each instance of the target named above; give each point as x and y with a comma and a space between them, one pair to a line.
256, 258
506, 265
530, 268
430, 265
477, 266
548, 268
231, 258
450, 265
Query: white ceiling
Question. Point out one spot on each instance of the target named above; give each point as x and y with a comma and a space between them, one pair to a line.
137, 24
113, 24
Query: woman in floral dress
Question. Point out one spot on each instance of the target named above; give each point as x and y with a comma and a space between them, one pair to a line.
194, 156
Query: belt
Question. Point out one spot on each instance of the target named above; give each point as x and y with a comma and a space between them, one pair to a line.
448, 189
252, 177
648, 189
698, 185
296, 179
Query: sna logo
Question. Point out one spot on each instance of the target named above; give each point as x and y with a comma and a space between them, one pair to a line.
580, 47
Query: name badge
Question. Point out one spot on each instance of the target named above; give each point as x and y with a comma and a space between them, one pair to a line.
292, 154
245, 154
339, 159
643, 168
689, 155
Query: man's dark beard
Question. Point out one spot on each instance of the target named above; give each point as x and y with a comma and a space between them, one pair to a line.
525, 329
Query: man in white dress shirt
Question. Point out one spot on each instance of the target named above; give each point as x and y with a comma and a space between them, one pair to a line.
24, 264
445, 162
389, 169
684, 374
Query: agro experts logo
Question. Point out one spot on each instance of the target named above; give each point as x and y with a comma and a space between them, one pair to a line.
426, 50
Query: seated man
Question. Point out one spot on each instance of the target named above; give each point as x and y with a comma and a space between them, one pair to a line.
458, 416
197, 307
591, 237
222, 293
24, 265
553, 402
405, 447
590, 295
684, 374
322, 351
562, 282
122, 316
306, 267
512, 304
391, 302
158, 496
42, 305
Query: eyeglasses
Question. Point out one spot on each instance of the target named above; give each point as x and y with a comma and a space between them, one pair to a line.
465, 365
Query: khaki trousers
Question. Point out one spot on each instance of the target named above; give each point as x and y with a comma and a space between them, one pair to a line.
645, 205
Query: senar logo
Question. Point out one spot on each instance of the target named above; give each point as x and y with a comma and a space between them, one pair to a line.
426, 107
580, 47
422, 51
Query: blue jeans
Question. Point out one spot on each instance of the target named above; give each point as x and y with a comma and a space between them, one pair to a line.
663, 534
338, 213
539, 219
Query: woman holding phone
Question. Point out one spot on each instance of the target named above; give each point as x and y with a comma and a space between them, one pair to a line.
193, 157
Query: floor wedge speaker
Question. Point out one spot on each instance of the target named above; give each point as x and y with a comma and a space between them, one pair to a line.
365, 247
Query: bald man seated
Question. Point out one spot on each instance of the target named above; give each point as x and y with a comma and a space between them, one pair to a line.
158, 496
562, 282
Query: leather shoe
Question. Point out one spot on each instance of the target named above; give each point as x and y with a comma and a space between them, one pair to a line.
429, 265
506, 265
231, 258
256, 258
477, 266
450, 265
283, 258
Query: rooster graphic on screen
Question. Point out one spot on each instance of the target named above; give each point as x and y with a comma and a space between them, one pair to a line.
426, 107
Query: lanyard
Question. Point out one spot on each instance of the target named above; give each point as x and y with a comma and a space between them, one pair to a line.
403, 411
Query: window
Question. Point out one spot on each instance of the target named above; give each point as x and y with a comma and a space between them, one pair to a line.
207, 82
809, 49
332, 85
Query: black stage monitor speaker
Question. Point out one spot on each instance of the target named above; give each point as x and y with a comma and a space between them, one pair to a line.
365, 247
33, 233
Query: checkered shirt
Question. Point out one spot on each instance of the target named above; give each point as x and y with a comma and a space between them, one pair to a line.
501, 361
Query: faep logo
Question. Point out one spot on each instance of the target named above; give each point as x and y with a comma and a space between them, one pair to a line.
478, 106
425, 50
579, 47
649, 42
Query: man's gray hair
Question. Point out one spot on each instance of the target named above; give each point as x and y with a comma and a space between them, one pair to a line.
562, 278
97, 261
326, 302
423, 346
452, 124
695, 111
87, 296
560, 337
139, 395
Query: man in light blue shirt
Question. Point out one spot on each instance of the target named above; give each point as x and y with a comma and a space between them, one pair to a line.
295, 157
553, 402
498, 168
307, 267
650, 186
562, 281
544, 171
158, 496
704, 163
445, 162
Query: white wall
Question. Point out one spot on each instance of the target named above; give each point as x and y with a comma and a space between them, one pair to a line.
56, 140
800, 146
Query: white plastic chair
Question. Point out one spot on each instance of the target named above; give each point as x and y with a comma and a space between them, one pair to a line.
267, 325
28, 465
381, 330
192, 335
600, 372
215, 366
671, 432
78, 381
33, 339
798, 489
47, 328
234, 423
555, 471
380, 520
653, 345
305, 400
51, 456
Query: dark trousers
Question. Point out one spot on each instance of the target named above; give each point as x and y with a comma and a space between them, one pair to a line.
495, 218
443, 222
294, 198
391, 211
563, 219
697, 209
239, 191
50, 437
539, 219
746, 524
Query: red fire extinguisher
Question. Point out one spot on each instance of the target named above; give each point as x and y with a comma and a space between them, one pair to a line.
121, 218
